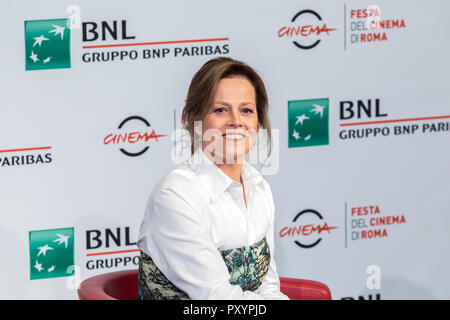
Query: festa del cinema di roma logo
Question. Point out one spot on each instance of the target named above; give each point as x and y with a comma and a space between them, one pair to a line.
133, 137
306, 227
308, 123
306, 28
47, 44
51, 253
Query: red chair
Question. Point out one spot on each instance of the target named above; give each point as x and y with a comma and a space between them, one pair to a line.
122, 285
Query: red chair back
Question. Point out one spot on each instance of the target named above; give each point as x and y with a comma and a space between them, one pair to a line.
122, 285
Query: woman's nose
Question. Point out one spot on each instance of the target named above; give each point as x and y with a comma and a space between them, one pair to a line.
235, 118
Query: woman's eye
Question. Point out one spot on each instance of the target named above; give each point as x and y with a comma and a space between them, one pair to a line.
219, 110
247, 110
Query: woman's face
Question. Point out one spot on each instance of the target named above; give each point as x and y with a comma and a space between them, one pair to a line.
231, 124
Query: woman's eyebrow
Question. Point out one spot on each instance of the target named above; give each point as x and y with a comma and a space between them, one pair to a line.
229, 105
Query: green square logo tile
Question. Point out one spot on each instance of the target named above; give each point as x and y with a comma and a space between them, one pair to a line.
47, 44
308, 123
51, 253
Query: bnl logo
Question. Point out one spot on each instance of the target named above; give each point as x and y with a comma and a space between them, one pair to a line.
308, 123
51, 253
47, 44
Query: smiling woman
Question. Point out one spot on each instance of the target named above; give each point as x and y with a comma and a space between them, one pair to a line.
204, 94
230, 126
208, 229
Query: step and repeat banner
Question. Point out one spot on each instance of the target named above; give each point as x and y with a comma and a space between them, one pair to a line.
92, 94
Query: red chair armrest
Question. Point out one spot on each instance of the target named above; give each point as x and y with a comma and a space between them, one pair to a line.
119, 285
300, 289
122, 285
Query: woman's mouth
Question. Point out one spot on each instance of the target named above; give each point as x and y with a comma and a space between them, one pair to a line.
233, 136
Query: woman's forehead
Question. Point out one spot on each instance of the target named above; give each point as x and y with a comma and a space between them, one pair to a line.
237, 87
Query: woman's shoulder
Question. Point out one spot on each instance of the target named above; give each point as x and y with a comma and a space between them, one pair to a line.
181, 181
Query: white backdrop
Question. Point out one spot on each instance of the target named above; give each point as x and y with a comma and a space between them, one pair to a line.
57, 170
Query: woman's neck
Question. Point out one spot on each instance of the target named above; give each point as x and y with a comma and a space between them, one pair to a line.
232, 170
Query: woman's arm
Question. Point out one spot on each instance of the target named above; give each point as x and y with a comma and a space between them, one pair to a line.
176, 237
270, 288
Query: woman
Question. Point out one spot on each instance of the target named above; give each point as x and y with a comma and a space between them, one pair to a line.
208, 228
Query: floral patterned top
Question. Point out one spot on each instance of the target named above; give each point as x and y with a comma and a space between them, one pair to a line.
247, 266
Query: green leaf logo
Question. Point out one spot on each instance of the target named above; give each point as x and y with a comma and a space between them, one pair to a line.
47, 44
51, 253
308, 123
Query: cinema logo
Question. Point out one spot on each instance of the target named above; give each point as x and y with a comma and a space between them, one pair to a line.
368, 222
307, 229
307, 29
133, 136
111, 248
25, 157
368, 25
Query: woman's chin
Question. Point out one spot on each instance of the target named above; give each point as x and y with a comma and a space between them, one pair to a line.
231, 152
232, 157
235, 156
